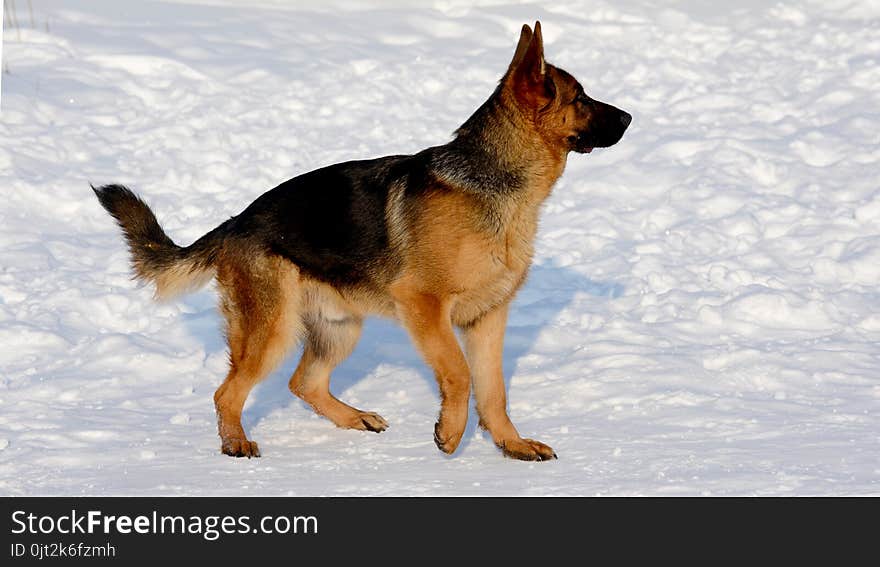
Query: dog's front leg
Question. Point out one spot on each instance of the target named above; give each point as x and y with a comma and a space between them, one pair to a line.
427, 319
484, 344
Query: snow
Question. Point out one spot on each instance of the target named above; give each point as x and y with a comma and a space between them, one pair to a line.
701, 318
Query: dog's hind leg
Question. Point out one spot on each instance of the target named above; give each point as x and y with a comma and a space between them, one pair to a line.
260, 298
327, 343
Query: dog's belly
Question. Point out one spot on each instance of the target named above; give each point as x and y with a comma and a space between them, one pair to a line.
497, 286
339, 304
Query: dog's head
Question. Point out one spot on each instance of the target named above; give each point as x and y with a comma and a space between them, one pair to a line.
563, 114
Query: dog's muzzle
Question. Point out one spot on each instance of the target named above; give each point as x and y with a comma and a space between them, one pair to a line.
607, 125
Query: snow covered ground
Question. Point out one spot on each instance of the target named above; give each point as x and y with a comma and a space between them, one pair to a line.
703, 315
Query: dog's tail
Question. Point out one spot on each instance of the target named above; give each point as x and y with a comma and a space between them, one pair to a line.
155, 258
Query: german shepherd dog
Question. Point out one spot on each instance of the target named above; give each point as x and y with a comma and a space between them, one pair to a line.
437, 240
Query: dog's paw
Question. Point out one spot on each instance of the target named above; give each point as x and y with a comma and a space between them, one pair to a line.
526, 450
447, 443
369, 421
238, 447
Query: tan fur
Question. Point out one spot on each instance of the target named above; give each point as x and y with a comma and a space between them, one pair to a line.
484, 343
456, 271
455, 258
180, 279
260, 297
439, 239
427, 317
455, 274
333, 325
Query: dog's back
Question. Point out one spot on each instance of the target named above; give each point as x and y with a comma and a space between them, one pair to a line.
332, 223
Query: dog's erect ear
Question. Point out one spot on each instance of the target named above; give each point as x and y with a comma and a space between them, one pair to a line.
532, 63
528, 70
525, 37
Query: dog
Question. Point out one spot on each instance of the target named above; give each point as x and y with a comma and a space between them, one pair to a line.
436, 240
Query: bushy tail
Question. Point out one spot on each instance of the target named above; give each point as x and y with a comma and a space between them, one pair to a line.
155, 258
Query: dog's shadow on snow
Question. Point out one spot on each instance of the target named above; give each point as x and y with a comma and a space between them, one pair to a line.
546, 293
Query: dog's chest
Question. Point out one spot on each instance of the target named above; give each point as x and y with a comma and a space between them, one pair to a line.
495, 273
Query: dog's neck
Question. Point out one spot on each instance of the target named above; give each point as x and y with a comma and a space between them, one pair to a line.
497, 151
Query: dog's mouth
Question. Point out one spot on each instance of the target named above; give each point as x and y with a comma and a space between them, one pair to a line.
581, 144
586, 142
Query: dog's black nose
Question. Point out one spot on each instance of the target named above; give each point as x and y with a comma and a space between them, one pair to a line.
626, 118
